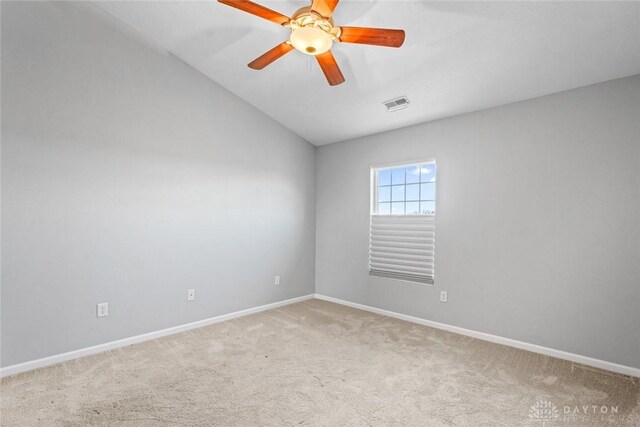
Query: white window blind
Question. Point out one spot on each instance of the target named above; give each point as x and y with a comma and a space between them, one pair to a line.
402, 247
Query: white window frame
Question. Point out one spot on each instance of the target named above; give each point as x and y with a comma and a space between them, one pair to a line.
377, 272
373, 195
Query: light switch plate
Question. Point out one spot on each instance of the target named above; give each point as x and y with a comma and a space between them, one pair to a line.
102, 309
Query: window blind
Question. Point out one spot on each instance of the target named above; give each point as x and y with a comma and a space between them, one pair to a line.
402, 247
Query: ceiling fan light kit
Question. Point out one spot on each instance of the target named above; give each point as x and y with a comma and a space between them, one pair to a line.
313, 33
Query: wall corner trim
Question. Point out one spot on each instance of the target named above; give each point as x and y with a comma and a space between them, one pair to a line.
572, 357
99, 348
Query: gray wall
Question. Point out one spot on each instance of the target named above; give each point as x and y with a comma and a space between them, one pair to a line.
127, 178
537, 228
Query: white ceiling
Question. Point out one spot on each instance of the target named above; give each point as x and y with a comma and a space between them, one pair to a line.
458, 57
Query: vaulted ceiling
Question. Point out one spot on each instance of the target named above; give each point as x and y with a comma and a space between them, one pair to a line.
458, 57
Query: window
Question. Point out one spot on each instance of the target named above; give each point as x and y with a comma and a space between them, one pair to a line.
405, 190
402, 227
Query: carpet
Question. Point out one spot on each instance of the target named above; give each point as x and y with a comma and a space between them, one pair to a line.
318, 363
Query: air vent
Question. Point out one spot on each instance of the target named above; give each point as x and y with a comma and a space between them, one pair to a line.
396, 104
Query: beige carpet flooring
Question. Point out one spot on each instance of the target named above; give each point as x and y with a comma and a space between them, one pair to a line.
317, 363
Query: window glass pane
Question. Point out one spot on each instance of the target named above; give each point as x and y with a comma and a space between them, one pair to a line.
397, 176
384, 194
397, 193
397, 208
428, 173
384, 177
428, 191
413, 192
413, 208
407, 190
413, 174
428, 208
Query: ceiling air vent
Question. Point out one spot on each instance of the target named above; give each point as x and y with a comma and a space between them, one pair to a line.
396, 104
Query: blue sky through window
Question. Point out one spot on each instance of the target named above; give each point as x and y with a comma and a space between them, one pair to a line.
406, 190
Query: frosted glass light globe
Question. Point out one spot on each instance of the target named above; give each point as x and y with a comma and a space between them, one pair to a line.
311, 40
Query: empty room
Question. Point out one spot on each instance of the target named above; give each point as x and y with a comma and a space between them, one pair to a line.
320, 213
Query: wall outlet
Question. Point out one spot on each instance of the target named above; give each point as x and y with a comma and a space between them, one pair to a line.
443, 296
102, 309
276, 281
191, 295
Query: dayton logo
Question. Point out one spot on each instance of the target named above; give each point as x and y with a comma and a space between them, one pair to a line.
544, 411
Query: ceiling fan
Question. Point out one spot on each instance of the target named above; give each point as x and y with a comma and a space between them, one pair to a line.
313, 33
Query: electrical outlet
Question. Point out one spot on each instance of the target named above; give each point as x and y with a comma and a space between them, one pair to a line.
191, 295
102, 309
443, 296
276, 281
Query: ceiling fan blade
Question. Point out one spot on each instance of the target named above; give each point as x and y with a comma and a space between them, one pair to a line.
324, 7
262, 61
374, 36
330, 68
258, 10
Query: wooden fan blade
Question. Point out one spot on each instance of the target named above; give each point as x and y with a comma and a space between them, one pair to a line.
324, 7
330, 68
262, 61
258, 10
374, 36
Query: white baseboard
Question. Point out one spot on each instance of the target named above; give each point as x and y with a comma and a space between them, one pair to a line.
609, 366
58, 358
